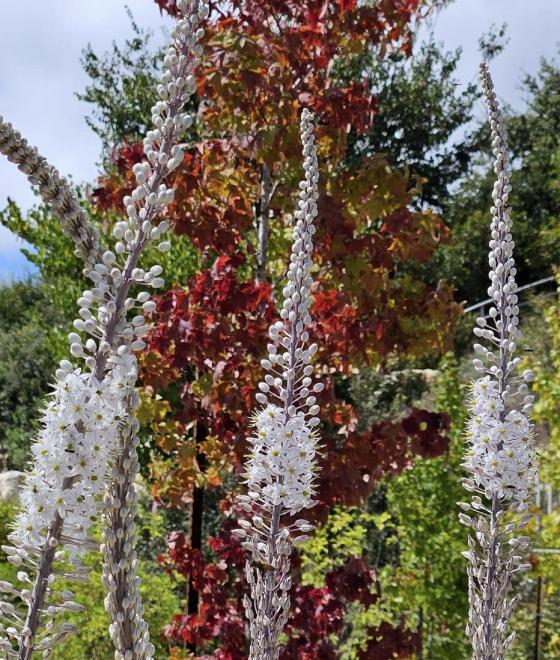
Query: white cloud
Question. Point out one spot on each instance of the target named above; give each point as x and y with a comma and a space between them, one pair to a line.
41, 72
532, 28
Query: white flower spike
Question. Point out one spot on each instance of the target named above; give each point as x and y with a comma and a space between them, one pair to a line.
281, 467
500, 454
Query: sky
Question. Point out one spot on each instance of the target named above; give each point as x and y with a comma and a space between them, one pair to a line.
40, 52
41, 72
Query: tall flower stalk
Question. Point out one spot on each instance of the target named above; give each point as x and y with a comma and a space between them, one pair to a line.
281, 466
500, 454
128, 629
89, 432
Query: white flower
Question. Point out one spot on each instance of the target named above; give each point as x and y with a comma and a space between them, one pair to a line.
501, 456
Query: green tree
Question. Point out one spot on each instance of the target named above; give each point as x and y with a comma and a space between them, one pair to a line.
430, 577
28, 355
120, 89
422, 118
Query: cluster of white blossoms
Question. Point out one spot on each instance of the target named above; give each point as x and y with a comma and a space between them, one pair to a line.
500, 455
62, 497
501, 458
281, 466
283, 459
77, 443
89, 432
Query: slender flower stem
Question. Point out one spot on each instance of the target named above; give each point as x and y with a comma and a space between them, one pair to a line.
275, 576
504, 342
490, 600
40, 586
128, 630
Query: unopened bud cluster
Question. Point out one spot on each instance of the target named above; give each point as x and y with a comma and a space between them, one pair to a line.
281, 466
500, 455
54, 190
128, 630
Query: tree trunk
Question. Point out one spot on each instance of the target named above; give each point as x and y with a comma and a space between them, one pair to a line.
196, 543
262, 223
197, 519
